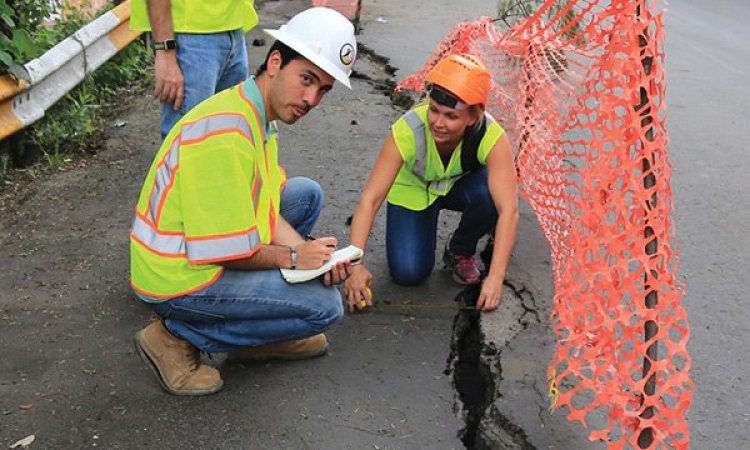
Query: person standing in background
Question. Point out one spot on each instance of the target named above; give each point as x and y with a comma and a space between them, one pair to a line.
199, 49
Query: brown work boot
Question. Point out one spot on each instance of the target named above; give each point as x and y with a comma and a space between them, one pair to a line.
300, 349
175, 362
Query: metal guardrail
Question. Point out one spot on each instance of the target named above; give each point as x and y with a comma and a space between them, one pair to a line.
55, 73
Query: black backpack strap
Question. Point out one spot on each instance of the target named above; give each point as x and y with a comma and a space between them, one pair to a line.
470, 148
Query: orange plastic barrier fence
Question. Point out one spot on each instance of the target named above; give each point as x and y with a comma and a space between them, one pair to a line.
579, 86
348, 8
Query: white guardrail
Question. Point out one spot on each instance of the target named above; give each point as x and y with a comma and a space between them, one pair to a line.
55, 73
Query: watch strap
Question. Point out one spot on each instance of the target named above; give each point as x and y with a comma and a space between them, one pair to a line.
293, 257
167, 44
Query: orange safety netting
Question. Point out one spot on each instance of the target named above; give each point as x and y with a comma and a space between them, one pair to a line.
579, 86
348, 8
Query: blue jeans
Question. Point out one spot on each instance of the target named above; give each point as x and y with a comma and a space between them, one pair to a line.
255, 307
209, 63
411, 235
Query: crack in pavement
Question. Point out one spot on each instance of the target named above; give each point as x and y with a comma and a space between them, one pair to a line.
474, 363
478, 372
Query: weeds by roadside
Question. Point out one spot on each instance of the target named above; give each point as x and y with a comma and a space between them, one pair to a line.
74, 125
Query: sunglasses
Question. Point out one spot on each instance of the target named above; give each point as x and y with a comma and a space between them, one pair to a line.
444, 98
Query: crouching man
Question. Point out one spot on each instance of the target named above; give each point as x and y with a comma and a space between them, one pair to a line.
217, 218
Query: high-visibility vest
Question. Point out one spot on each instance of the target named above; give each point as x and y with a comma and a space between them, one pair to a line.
212, 194
200, 16
422, 177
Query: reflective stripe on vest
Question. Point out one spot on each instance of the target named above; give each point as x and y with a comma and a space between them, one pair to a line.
443, 185
417, 127
175, 245
207, 126
256, 190
420, 140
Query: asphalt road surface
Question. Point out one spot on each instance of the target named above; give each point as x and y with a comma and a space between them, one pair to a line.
69, 374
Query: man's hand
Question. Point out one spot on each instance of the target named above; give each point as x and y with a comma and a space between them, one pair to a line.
356, 288
170, 83
338, 274
313, 254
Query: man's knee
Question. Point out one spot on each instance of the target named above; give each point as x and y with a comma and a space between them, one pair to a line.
301, 189
329, 311
311, 190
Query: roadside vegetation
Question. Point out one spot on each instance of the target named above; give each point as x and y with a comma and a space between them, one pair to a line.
72, 127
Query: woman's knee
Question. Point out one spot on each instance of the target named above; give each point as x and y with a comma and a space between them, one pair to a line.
409, 275
410, 265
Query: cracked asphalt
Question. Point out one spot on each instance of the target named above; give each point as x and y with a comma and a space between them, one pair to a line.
69, 374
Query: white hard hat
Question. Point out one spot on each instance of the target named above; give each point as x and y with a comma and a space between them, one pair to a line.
323, 36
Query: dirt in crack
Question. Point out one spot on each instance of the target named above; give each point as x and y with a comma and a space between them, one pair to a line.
472, 379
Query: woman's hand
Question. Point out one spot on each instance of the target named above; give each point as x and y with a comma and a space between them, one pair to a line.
489, 296
356, 288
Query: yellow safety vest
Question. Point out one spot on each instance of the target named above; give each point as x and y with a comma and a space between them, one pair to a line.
200, 16
422, 177
212, 194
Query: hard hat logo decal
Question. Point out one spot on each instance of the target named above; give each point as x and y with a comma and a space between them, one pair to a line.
346, 54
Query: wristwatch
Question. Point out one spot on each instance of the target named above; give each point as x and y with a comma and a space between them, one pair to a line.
167, 44
293, 257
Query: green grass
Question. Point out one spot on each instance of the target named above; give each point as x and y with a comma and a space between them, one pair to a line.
73, 126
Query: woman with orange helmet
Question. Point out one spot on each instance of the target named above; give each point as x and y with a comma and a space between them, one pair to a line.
446, 153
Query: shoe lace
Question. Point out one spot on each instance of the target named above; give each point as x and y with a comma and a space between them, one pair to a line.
194, 357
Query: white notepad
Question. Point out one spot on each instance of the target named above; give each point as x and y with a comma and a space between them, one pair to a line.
350, 253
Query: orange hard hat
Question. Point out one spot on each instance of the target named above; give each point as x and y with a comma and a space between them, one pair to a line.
463, 75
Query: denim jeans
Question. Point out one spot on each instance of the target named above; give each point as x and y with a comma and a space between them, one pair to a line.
255, 307
411, 235
209, 63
